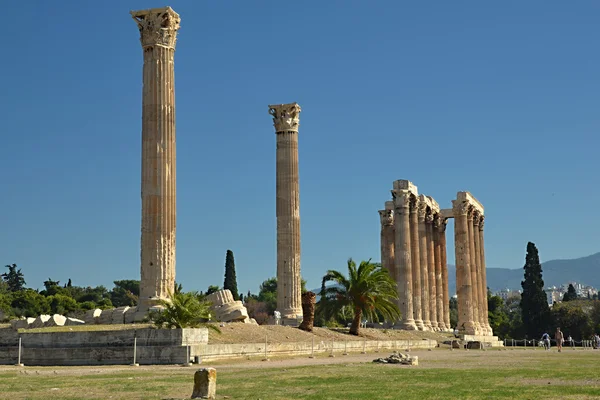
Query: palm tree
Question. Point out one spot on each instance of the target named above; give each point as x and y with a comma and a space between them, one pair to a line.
369, 291
183, 310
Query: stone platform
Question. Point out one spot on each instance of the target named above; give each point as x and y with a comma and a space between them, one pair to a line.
492, 340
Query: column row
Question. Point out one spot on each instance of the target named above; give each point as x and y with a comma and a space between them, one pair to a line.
413, 249
471, 283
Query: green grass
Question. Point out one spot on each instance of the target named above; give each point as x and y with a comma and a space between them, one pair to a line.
441, 375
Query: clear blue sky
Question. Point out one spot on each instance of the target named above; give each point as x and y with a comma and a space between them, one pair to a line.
498, 99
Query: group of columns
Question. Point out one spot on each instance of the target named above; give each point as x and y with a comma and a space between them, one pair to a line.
471, 283
413, 249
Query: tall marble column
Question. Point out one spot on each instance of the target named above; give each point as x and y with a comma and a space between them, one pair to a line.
439, 291
415, 262
474, 264
424, 269
444, 262
481, 293
431, 271
466, 324
402, 199
286, 119
488, 328
387, 239
158, 33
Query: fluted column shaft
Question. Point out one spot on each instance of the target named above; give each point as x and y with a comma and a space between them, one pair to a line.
481, 295
439, 292
387, 241
415, 263
473, 263
423, 269
286, 122
431, 272
403, 258
444, 262
158, 29
466, 324
484, 274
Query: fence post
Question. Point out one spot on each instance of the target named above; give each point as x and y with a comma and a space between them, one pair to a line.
312, 348
19, 364
266, 344
364, 346
345, 353
377, 348
408, 350
331, 354
525, 343
135, 364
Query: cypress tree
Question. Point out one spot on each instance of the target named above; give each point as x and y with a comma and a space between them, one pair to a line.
230, 278
534, 302
571, 293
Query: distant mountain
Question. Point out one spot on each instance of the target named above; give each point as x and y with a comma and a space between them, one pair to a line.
555, 273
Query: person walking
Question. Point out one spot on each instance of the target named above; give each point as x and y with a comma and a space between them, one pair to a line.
558, 336
546, 341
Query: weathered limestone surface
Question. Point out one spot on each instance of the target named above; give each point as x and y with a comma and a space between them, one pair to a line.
40, 321
56, 320
22, 323
466, 324
92, 316
205, 384
73, 321
105, 317
488, 328
416, 263
286, 119
424, 267
439, 291
431, 270
386, 217
158, 34
473, 263
444, 261
118, 315
225, 308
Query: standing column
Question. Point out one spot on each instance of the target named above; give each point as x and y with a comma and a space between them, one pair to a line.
481, 293
444, 262
415, 262
403, 258
286, 119
466, 324
431, 271
158, 33
439, 291
488, 328
387, 240
473, 263
424, 266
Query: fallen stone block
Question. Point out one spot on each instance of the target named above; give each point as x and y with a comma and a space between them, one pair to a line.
73, 321
205, 384
220, 297
92, 316
118, 315
56, 320
474, 345
105, 317
129, 316
40, 321
22, 323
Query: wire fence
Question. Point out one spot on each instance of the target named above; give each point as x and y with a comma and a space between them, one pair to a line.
585, 344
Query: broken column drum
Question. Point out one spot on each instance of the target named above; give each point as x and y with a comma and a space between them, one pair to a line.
158, 34
286, 119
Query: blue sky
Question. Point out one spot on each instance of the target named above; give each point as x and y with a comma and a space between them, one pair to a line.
498, 99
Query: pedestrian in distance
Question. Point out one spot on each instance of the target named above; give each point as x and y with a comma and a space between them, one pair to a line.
560, 339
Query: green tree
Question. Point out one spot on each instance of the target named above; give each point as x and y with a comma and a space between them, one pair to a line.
183, 310
61, 304
368, 290
535, 313
125, 293
571, 293
29, 303
14, 278
574, 318
211, 289
230, 278
454, 312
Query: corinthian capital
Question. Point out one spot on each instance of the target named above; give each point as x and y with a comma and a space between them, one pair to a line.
401, 199
286, 117
158, 26
422, 211
386, 217
481, 221
460, 207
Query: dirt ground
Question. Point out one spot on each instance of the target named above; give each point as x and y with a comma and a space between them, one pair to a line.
247, 333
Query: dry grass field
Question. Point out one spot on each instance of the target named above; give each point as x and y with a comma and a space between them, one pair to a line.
441, 374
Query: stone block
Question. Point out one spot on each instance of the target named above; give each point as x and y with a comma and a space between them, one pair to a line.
403, 184
73, 322
92, 316
205, 384
40, 321
118, 315
220, 297
56, 320
130, 315
474, 345
22, 323
105, 317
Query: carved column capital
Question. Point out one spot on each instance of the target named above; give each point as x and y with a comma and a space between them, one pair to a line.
414, 204
470, 211
476, 218
158, 26
286, 117
439, 222
401, 200
429, 218
422, 211
386, 217
460, 207
481, 221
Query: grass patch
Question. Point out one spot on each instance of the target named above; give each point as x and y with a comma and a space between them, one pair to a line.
440, 375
